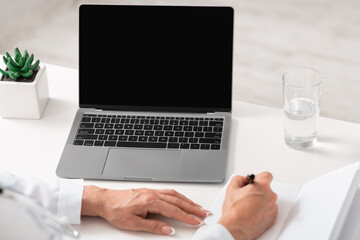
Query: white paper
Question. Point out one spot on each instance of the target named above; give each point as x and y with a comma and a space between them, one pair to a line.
318, 206
351, 228
286, 198
318, 210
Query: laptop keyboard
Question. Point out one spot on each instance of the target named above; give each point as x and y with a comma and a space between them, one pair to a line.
150, 132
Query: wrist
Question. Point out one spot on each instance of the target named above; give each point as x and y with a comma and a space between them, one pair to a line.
92, 201
232, 226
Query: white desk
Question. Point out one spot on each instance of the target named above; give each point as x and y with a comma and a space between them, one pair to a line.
35, 146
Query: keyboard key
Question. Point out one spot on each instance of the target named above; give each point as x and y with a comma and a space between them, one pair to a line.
86, 137
99, 131
184, 146
189, 134
174, 122
207, 129
203, 123
195, 146
128, 126
99, 125
95, 120
86, 131
143, 139
123, 138
193, 123
148, 127
139, 132
163, 139
133, 138
115, 120
86, 119
168, 128
105, 120
129, 132
205, 146
138, 126
88, 143
113, 138
216, 123
109, 131
109, 125
119, 132
86, 125
193, 140
215, 146
217, 129
197, 129
213, 135
158, 127
149, 133
135, 120
173, 145
153, 139
144, 121
159, 133
173, 139
78, 142
179, 134
142, 144
199, 134
188, 128
110, 143
118, 126
99, 143
210, 140
183, 140
103, 137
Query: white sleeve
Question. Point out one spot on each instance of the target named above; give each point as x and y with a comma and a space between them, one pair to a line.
213, 232
61, 196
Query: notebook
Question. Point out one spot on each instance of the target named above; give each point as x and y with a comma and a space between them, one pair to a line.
327, 207
155, 90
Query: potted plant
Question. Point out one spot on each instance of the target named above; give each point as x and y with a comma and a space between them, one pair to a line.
24, 89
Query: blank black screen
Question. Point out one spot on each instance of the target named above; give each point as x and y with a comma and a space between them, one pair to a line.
168, 58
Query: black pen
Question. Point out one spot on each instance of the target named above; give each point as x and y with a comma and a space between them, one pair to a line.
250, 179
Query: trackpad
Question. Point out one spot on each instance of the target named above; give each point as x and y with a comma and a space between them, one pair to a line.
142, 164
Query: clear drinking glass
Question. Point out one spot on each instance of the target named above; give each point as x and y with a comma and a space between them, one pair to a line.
301, 99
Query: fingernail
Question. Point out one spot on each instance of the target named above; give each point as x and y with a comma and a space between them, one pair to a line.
200, 224
208, 213
168, 230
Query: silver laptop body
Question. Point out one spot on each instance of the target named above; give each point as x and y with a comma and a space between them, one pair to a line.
155, 94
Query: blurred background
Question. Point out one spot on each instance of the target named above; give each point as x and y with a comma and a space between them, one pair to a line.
270, 37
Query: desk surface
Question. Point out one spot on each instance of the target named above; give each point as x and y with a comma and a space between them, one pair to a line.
35, 146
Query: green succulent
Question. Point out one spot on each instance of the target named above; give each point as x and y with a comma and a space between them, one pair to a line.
21, 65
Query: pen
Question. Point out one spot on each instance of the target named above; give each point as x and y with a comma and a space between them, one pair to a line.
250, 179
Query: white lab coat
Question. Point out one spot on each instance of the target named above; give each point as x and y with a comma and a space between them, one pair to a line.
64, 196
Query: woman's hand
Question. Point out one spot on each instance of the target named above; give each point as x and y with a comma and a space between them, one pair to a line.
127, 209
249, 210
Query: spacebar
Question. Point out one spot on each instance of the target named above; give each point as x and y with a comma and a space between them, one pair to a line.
141, 144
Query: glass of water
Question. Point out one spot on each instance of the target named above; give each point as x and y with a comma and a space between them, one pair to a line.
301, 99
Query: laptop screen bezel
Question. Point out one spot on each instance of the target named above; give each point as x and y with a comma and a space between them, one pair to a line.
158, 108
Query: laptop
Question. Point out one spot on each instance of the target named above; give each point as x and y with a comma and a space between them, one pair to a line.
155, 90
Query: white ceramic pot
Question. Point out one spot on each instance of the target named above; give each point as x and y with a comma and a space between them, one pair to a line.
24, 100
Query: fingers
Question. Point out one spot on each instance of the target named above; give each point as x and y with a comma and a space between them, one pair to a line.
264, 177
168, 210
183, 205
174, 193
237, 182
153, 226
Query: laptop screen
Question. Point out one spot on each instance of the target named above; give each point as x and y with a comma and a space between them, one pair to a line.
156, 58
